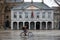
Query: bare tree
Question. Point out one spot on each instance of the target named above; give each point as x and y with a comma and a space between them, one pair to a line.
58, 2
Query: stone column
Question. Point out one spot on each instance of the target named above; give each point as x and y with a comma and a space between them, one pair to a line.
18, 25
23, 23
35, 25
58, 25
17, 20
40, 25
52, 25
23, 15
11, 25
46, 25
29, 25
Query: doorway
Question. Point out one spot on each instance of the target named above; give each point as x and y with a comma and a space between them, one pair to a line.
37, 25
27, 24
32, 25
20, 25
14, 25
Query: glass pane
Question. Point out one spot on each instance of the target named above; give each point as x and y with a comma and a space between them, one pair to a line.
38, 13
26, 15
20, 14
43, 15
37, 16
15, 14
49, 14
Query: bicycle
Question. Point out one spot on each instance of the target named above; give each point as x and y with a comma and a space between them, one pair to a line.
28, 34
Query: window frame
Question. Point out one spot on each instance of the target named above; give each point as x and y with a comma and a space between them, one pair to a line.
49, 14
15, 15
20, 14
38, 15
26, 14
43, 14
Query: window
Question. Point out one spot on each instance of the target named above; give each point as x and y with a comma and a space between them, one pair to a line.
20, 14
26, 15
43, 15
15, 14
7, 17
49, 14
38, 15
7, 9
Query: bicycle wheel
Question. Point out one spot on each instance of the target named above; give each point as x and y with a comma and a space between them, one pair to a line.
22, 34
30, 34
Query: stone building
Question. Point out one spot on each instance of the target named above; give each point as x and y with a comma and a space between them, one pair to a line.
56, 17
7, 7
2, 7
34, 15
5, 12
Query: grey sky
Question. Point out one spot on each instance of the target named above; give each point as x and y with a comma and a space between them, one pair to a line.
48, 2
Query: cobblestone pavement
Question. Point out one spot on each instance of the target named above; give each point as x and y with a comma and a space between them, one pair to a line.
38, 35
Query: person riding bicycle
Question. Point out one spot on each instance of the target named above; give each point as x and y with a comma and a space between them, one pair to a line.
24, 28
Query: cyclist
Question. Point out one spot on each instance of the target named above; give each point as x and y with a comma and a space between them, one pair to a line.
24, 28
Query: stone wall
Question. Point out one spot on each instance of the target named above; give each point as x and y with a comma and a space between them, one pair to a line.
5, 12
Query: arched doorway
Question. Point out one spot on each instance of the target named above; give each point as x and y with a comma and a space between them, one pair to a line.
59, 25
7, 24
49, 25
20, 25
37, 25
32, 25
14, 25
27, 24
43, 25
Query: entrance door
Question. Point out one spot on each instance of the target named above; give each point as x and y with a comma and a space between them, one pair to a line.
43, 25
20, 25
37, 25
7, 24
32, 25
14, 25
27, 24
59, 25
49, 25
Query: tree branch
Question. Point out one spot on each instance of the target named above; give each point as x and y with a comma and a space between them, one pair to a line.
57, 2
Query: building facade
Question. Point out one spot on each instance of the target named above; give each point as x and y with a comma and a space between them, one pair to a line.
5, 12
36, 10
56, 17
34, 15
